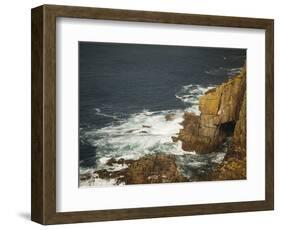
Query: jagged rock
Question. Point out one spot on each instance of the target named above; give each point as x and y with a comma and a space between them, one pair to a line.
111, 161
174, 139
233, 167
170, 117
220, 109
106, 174
121, 161
103, 174
157, 168
86, 176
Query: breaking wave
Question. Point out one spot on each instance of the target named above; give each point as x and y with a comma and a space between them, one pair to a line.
140, 134
189, 95
146, 132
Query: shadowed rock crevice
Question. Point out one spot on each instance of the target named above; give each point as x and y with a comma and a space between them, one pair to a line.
228, 128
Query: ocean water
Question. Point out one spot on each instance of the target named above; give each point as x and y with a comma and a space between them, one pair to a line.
126, 91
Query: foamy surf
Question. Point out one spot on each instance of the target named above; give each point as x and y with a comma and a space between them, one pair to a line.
192, 166
147, 132
189, 95
140, 134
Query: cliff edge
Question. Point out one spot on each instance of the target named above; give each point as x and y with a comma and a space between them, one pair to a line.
223, 114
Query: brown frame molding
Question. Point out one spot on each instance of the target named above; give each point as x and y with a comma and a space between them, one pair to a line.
43, 160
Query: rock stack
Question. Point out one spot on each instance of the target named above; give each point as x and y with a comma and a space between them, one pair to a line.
223, 114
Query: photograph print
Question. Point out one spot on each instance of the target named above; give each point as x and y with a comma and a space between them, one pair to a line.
160, 114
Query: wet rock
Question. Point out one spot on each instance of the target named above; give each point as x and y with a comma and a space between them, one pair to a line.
86, 176
158, 168
233, 167
107, 174
121, 161
103, 174
174, 139
129, 161
170, 117
111, 161
131, 131
143, 132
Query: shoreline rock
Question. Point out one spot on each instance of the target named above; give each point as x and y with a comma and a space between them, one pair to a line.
156, 168
170, 117
221, 108
233, 167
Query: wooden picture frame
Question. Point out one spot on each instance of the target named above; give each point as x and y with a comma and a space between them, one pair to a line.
43, 207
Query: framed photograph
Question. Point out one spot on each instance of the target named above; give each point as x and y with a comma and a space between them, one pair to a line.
140, 114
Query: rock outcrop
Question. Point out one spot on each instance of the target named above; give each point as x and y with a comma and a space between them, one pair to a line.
221, 116
233, 167
156, 168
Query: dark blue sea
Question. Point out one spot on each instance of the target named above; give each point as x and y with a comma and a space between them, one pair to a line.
127, 90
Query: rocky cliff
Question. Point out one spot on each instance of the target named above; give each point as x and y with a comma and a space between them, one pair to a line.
223, 114
234, 164
239, 135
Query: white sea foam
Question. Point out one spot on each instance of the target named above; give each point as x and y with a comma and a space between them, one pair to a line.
96, 181
140, 134
147, 132
98, 112
194, 165
189, 94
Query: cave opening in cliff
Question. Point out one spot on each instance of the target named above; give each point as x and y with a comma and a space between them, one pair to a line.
228, 128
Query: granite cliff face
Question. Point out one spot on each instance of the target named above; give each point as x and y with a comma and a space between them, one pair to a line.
239, 135
221, 126
234, 164
223, 114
